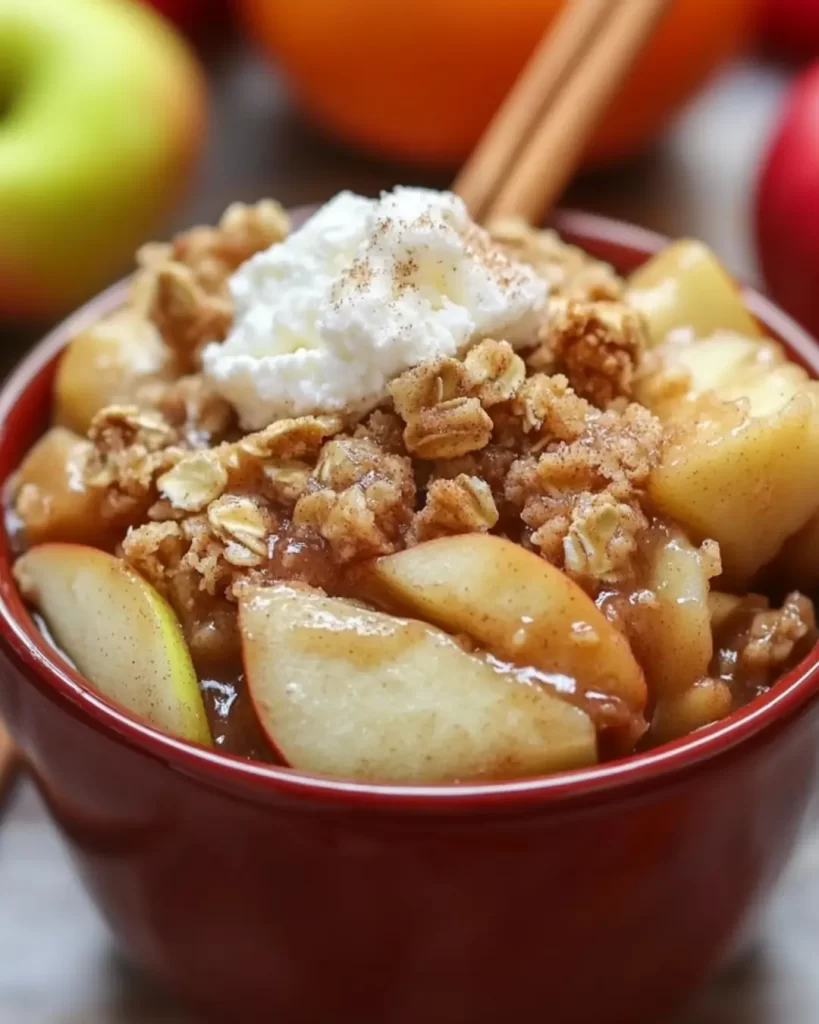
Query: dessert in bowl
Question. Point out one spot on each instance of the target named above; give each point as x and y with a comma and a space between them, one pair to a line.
440, 536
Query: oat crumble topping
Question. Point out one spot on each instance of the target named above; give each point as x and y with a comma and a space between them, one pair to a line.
523, 444
545, 444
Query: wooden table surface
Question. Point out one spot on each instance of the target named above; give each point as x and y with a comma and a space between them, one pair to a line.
57, 962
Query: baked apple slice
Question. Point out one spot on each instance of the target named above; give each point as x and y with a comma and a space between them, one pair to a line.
107, 363
733, 367
671, 634
747, 481
52, 499
723, 360
706, 702
685, 285
119, 632
519, 607
342, 690
744, 465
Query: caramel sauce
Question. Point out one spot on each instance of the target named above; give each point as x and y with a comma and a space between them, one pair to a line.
233, 722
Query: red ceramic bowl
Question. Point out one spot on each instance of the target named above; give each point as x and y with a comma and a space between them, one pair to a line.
261, 894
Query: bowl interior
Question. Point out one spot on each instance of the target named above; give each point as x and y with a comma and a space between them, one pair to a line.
25, 403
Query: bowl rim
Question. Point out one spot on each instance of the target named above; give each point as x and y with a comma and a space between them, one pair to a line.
42, 666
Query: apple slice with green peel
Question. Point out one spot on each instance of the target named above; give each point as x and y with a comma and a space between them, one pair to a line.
346, 691
516, 605
119, 632
685, 285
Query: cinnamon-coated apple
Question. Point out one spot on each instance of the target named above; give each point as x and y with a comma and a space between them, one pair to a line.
516, 605
52, 499
343, 690
671, 634
106, 364
747, 481
119, 632
706, 702
101, 115
685, 285
746, 438
733, 366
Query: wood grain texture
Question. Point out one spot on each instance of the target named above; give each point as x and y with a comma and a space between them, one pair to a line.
57, 963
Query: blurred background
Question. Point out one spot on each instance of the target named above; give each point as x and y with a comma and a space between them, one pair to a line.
122, 120
125, 120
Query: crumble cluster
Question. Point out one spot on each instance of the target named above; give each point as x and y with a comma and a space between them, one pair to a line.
570, 271
182, 286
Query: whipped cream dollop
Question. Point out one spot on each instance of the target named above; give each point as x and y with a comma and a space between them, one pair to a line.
364, 290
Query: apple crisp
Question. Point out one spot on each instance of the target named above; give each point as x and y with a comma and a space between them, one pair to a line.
554, 512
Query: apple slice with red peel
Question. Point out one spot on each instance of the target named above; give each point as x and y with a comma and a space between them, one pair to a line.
519, 607
119, 632
342, 690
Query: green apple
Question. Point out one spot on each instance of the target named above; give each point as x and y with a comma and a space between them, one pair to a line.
119, 632
101, 112
342, 690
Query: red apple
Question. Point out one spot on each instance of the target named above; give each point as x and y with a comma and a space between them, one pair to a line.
790, 27
787, 214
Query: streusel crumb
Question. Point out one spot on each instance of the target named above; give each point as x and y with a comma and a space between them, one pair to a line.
495, 372
462, 505
386, 429
359, 499
570, 271
775, 632
214, 253
183, 287
132, 449
187, 316
581, 498
597, 345
192, 405
156, 550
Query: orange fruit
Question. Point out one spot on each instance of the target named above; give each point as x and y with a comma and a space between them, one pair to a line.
419, 79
